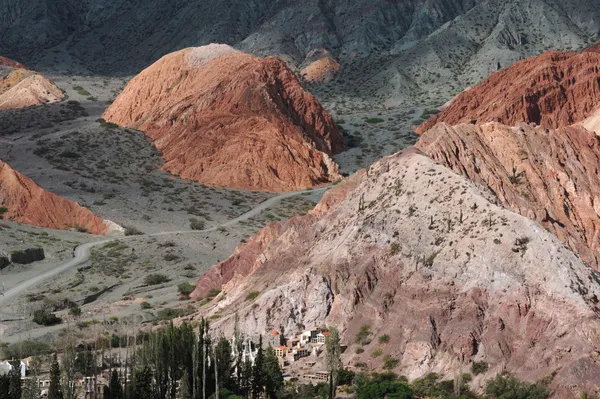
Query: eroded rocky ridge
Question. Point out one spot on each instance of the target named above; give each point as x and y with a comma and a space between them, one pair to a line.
23, 201
322, 70
552, 90
21, 87
550, 176
225, 118
431, 259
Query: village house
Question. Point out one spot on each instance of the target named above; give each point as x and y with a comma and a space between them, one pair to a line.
322, 337
281, 351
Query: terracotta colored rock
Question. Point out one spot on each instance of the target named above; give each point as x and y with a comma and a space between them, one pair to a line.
550, 176
552, 90
10, 63
321, 71
23, 88
427, 257
225, 118
28, 203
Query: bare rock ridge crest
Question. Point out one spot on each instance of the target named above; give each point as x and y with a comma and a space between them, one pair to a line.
225, 118
26, 202
434, 261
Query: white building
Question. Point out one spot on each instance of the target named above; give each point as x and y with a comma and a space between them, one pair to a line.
7, 366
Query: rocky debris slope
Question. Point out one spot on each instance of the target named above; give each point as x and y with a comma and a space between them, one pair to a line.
404, 44
225, 118
425, 256
20, 87
23, 201
549, 176
553, 90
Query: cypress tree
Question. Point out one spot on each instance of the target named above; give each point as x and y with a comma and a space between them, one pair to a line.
55, 390
272, 374
258, 377
32, 389
115, 389
334, 361
224, 362
14, 386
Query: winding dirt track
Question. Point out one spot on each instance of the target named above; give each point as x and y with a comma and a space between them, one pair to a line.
82, 252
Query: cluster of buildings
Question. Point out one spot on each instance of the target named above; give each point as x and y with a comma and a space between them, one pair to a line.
298, 355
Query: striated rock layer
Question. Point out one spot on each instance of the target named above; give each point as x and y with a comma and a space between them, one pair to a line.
225, 118
552, 90
320, 71
20, 87
550, 176
26, 202
425, 256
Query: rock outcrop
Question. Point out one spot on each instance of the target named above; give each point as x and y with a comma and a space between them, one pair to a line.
550, 176
320, 71
427, 257
23, 201
20, 87
10, 63
224, 118
552, 90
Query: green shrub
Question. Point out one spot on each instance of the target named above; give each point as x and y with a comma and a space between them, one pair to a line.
3, 210
25, 349
196, 224
213, 293
507, 386
377, 352
156, 278
384, 339
44, 317
75, 311
169, 313
132, 231
363, 334
185, 288
374, 120
389, 362
252, 295
479, 368
145, 305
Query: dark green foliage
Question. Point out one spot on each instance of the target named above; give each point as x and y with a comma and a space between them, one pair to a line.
141, 385
383, 386
258, 377
114, 389
185, 288
132, 231
196, 224
508, 387
272, 374
10, 385
3, 210
479, 368
45, 318
55, 390
155, 279
363, 334
224, 363
25, 349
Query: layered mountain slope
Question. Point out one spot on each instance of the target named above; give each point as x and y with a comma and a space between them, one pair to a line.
423, 255
225, 118
23, 201
550, 176
20, 87
403, 43
553, 90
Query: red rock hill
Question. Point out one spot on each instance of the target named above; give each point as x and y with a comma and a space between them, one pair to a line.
553, 90
28, 203
225, 118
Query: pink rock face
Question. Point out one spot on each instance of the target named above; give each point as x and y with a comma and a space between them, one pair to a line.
28, 203
225, 118
550, 176
427, 257
552, 90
